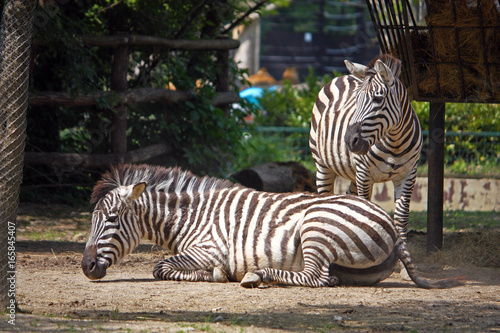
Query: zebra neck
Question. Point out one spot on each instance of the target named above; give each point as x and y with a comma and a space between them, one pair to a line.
408, 120
165, 218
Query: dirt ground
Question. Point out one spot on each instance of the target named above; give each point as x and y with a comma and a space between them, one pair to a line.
54, 295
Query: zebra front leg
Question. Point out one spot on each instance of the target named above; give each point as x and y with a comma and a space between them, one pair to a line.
191, 265
325, 179
307, 278
353, 189
364, 185
402, 196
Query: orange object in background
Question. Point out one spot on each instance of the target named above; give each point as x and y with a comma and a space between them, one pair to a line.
291, 74
262, 77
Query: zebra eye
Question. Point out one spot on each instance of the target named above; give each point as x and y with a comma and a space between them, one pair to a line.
378, 98
112, 218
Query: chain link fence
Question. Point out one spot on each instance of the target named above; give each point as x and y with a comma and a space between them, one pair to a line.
15, 42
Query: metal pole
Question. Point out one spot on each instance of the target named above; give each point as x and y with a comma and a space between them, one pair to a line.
435, 177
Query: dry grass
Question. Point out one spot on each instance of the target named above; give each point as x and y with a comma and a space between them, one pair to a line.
460, 249
462, 34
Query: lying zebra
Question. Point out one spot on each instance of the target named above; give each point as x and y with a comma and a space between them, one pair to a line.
219, 231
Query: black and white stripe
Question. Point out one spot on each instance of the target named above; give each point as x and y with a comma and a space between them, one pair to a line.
219, 231
364, 129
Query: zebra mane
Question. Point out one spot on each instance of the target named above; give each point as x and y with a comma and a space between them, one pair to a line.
392, 62
157, 179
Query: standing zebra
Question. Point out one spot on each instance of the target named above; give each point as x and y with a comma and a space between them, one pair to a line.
364, 129
219, 231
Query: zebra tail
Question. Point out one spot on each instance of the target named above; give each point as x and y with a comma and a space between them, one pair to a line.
404, 255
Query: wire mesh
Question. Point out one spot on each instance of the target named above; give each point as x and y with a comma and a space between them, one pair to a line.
450, 55
16, 32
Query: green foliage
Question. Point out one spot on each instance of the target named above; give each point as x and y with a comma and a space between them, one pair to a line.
203, 136
458, 220
465, 117
471, 155
263, 147
287, 106
291, 105
472, 117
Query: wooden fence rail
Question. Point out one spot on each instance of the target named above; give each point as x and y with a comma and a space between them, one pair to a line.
122, 44
174, 44
128, 97
95, 160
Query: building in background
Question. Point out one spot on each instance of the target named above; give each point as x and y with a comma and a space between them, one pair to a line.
318, 34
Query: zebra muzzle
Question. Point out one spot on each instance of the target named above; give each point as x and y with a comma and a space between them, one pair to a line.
93, 268
355, 143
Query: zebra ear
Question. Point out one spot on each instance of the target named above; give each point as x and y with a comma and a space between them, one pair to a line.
385, 72
137, 191
357, 70
133, 192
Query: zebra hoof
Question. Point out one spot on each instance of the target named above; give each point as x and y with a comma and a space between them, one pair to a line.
219, 275
333, 281
250, 280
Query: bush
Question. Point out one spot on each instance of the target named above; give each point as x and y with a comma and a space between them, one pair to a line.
287, 106
203, 136
291, 105
463, 117
467, 155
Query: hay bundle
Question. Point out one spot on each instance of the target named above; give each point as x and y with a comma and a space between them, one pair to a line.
465, 43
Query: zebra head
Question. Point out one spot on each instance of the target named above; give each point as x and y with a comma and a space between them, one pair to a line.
377, 106
113, 234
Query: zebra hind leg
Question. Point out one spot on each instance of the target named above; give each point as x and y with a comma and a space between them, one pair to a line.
306, 278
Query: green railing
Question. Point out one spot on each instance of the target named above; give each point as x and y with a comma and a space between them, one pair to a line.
464, 150
468, 146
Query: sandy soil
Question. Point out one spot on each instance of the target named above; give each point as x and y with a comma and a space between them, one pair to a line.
54, 295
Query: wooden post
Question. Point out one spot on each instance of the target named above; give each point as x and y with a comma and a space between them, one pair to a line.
119, 83
222, 83
435, 177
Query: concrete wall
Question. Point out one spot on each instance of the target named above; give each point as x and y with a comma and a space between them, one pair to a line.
247, 56
459, 194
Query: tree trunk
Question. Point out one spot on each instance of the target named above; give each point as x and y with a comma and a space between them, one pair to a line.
278, 177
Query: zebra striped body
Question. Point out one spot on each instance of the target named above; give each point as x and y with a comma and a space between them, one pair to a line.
218, 231
364, 129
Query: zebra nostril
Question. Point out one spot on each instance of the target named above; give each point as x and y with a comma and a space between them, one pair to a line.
92, 266
355, 141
